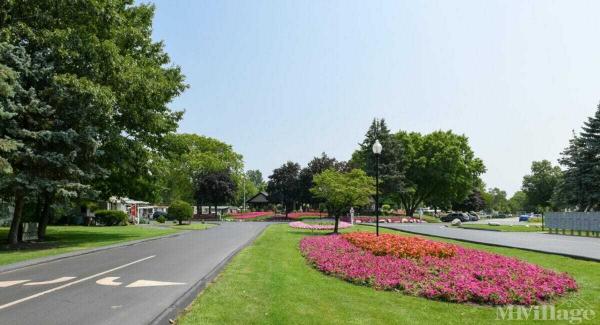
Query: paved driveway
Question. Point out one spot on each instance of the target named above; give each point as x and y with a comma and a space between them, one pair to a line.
582, 247
125, 285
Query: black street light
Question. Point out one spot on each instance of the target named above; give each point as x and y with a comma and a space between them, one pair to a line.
377, 151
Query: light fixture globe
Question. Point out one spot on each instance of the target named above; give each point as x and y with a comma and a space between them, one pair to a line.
377, 147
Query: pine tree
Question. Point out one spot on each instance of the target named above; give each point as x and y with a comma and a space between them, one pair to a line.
391, 166
56, 135
7, 89
581, 159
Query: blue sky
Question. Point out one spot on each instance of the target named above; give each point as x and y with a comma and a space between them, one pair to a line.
287, 80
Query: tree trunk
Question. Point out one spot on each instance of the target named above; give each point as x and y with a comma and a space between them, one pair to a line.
410, 211
45, 215
13, 234
335, 227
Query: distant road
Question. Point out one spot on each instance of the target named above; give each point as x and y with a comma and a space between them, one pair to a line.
582, 247
125, 285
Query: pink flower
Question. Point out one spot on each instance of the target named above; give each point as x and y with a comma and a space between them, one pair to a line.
468, 276
313, 226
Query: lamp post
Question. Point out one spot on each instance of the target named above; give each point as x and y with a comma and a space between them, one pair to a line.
377, 151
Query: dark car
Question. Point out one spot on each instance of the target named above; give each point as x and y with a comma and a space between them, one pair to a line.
157, 214
463, 217
473, 216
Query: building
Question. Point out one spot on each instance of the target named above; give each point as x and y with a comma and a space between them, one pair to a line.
260, 201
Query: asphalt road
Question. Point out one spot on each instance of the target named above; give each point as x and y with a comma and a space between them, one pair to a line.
124, 285
582, 247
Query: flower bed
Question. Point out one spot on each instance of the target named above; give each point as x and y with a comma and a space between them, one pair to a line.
400, 246
302, 225
468, 276
252, 215
388, 219
299, 215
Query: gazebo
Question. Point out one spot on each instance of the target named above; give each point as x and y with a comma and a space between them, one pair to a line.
260, 201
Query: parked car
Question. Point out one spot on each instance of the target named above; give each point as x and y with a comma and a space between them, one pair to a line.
463, 217
524, 217
157, 214
473, 216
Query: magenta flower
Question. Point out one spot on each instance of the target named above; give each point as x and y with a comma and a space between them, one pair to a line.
313, 226
468, 276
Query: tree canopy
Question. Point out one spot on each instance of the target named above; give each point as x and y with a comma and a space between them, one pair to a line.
185, 157
392, 160
440, 168
580, 187
343, 190
316, 166
283, 185
215, 187
540, 185
87, 93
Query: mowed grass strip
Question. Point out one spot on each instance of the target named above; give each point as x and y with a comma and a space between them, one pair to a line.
193, 226
64, 239
271, 283
505, 228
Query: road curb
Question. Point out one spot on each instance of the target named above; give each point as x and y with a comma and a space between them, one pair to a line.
169, 315
48, 259
579, 257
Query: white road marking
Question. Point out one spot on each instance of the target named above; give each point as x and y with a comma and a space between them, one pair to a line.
39, 294
149, 283
4, 284
59, 280
109, 281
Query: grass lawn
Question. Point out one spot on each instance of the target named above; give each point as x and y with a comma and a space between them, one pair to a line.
514, 228
193, 226
63, 239
270, 283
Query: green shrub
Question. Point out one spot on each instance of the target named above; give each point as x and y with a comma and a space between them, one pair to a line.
180, 211
429, 219
161, 219
386, 209
111, 217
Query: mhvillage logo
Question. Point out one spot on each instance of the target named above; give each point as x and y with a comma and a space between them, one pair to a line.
575, 311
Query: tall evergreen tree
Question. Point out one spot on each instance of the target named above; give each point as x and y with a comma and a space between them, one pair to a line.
391, 160
57, 142
106, 48
581, 159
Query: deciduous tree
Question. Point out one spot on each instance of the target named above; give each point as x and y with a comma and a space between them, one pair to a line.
284, 186
343, 190
440, 168
540, 185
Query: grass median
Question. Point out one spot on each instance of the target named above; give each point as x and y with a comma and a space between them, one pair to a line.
504, 228
64, 239
271, 283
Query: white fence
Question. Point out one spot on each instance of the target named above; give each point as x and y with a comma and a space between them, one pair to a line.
580, 221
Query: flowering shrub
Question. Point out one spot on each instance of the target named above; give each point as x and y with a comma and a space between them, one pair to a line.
251, 215
400, 246
311, 226
468, 276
